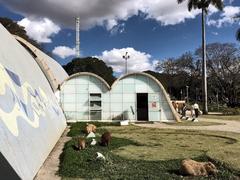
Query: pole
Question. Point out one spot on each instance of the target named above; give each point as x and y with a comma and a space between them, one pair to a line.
217, 102
78, 37
187, 92
126, 57
196, 94
204, 65
126, 67
181, 94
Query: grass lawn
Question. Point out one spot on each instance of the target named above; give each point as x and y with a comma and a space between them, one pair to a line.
190, 123
222, 117
144, 153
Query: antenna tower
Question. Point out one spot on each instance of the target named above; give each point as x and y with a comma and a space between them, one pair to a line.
77, 37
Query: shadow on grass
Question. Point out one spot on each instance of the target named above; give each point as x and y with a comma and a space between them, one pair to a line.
83, 164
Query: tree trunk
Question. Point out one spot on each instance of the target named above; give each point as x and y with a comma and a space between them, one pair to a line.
204, 65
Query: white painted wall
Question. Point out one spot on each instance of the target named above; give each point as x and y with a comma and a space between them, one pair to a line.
31, 121
119, 102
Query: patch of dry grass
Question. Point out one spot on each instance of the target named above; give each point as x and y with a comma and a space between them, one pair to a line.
162, 144
222, 117
148, 153
190, 123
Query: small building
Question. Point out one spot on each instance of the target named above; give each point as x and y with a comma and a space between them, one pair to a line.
135, 97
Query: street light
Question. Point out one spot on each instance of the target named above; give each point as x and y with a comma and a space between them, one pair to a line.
187, 92
126, 57
217, 101
181, 94
196, 94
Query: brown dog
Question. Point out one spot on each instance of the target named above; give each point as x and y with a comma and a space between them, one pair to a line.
194, 168
81, 143
90, 128
105, 139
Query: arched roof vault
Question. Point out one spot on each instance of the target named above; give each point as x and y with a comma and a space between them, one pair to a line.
175, 114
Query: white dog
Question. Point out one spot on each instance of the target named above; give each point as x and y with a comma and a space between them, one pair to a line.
93, 143
100, 156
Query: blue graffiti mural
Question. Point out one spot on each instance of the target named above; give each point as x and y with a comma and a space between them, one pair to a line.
18, 99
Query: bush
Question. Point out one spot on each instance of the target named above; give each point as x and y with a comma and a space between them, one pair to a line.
78, 128
231, 111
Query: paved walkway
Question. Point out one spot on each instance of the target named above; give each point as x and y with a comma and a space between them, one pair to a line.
230, 126
50, 167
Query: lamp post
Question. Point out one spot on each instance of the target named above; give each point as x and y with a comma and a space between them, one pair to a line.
126, 57
181, 94
217, 101
196, 94
187, 92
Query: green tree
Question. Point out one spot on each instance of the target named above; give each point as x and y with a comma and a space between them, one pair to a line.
203, 5
223, 72
175, 84
18, 30
90, 64
177, 73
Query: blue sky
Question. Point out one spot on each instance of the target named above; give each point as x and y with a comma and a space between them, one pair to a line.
149, 33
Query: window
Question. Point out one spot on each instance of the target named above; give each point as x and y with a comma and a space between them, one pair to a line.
95, 106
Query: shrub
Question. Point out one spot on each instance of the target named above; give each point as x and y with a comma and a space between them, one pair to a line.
231, 111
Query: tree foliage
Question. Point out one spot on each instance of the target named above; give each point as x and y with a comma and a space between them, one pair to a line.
175, 84
238, 34
203, 4
223, 64
224, 71
90, 64
18, 30
184, 72
237, 18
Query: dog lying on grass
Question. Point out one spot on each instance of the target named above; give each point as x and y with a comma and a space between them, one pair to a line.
194, 168
105, 139
90, 128
81, 143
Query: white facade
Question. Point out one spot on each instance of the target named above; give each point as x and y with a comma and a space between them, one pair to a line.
31, 121
76, 97
136, 96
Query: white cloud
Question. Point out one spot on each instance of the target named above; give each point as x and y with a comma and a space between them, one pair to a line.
64, 51
40, 29
212, 9
168, 12
226, 18
119, 28
215, 33
102, 12
111, 23
138, 61
230, 11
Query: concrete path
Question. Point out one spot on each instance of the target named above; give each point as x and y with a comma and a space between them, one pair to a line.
230, 126
50, 167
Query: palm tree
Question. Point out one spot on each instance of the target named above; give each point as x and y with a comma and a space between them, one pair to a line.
238, 31
238, 34
203, 5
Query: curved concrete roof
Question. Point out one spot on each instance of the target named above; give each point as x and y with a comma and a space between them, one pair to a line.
131, 74
87, 74
52, 70
159, 84
30, 115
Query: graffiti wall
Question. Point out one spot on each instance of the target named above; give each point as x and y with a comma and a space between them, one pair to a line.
31, 121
